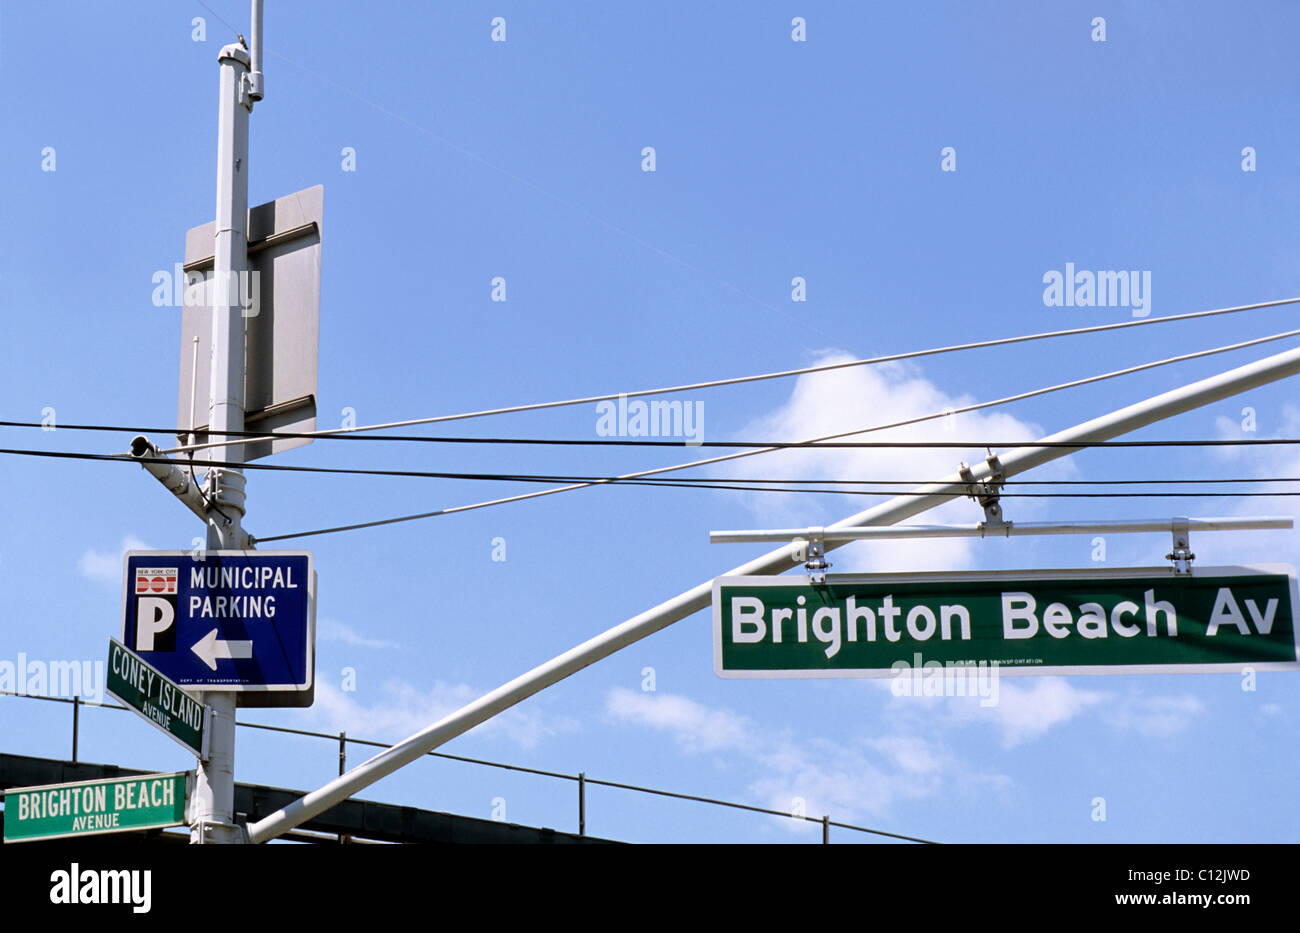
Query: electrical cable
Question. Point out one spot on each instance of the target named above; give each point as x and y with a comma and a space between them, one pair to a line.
681, 481
813, 442
334, 432
489, 503
617, 442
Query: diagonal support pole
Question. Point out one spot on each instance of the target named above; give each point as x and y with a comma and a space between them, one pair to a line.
924, 498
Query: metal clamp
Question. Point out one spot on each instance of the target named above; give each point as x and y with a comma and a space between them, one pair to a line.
1181, 554
226, 488
812, 552
986, 492
210, 831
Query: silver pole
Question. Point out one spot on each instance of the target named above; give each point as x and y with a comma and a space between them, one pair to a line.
1166, 405
256, 87
212, 812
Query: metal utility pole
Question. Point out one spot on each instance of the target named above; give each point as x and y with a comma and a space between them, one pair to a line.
924, 498
212, 812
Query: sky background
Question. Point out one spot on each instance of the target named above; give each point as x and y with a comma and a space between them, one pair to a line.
773, 159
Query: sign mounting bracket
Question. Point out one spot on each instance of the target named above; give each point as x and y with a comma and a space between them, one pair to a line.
986, 492
1181, 554
811, 549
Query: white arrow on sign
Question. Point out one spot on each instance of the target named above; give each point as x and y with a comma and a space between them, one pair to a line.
210, 650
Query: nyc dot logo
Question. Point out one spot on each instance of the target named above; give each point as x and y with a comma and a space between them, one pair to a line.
155, 608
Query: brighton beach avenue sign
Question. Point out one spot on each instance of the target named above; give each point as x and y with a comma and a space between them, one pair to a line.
89, 808
1147, 620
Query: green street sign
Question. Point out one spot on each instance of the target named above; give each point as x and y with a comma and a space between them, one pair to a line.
89, 808
156, 699
1146, 620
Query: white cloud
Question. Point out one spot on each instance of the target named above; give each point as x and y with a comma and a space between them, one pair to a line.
1227, 429
838, 401
401, 710
1235, 429
868, 776
107, 566
909, 753
1026, 709
333, 630
846, 780
695, 727
1023, 711
1155, 716
1255, 461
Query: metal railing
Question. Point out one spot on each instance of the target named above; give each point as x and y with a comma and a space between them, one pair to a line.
581, 778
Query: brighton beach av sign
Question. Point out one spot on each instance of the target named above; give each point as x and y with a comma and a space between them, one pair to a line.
1026, 622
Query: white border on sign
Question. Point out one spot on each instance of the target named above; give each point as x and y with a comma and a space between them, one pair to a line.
1073, 573
309, 666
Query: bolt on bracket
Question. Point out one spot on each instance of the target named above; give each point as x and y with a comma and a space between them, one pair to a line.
1181, 554
811, 551
987, 492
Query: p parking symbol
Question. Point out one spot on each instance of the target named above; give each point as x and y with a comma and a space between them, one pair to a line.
155, 624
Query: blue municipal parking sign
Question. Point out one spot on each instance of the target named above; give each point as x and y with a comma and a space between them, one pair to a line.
241, 621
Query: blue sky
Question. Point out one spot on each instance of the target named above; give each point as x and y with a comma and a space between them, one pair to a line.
774, 159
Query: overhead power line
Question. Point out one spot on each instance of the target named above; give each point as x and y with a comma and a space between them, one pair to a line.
707, 480
489, 503
887, 492
824, 367
623, 442
828, 441
1195, 494
341, 434
723, 484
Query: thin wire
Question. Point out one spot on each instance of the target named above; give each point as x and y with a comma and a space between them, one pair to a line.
424, 130
619, 442
615, 442
590, 780
488, 503
825, 367
1004, 495
820, 441
682, 481
218, 16
508, 767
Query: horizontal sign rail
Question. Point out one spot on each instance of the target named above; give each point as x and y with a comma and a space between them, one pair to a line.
1006, 530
